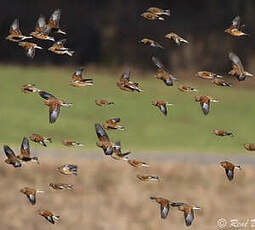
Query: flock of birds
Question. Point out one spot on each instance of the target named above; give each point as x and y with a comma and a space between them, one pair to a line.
43, 31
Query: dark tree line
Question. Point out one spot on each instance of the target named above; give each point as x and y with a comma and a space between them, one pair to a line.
107, 31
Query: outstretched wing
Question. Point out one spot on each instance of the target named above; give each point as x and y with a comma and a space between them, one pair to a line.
25, 148
46, 95
236, 60
101, 133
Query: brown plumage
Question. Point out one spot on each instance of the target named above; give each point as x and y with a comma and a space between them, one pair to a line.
164, 206
53, 24
136, 163
222, 133
103, 102
42, 31
58, 48
113, 124
188, 211
117, 153
126, 84
104, 141
185, 88
249, 147
54, 105
234, 28
221, 82
15, 34
148, 178
238, 69
163, 73
11, 157
29, 48
162, 105
49, 216
205, 102
31, 194
207, 75
158, 11
71, 143
40, 139
229, 169
61, 186
68, 169
25, 152
29, 88
152, 43
151, 16
79, 81
176, 38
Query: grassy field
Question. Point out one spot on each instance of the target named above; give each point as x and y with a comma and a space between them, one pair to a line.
184, 129
107, 195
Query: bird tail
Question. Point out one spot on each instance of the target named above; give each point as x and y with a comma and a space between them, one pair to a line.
153, 198
79, 144
48, 139
238, 167
229, 134
39, 47
160, 18
55, 218
121, 128
35, 159
70, 53
166, 12
66, 104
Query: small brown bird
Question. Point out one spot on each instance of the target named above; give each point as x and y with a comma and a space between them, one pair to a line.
113, 124
222, 133
54, 105
15, 34
53, 23
205, 102
229, 169
163, 73
151, 16
164, 206
31, 194
162, 105
235, 27
220, 82
58, 48
11, 157
71, 143
40, 139
238, 69
68, 169
126, 84
48, 216
150, 42
158, 11
25, 152
104, 140
207, 75
136, 163
185, 88
188, 211
29, 88
117, 154
42, 31
29, 48
176, 38
148, 178
61, 186
78, 80
103, 102
249, 147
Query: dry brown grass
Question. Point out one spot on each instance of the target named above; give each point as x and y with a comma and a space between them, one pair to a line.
108, 195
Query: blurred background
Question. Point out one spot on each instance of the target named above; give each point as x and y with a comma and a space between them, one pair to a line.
180, 147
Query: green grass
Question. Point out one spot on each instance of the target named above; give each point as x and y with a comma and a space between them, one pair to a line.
184, 129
